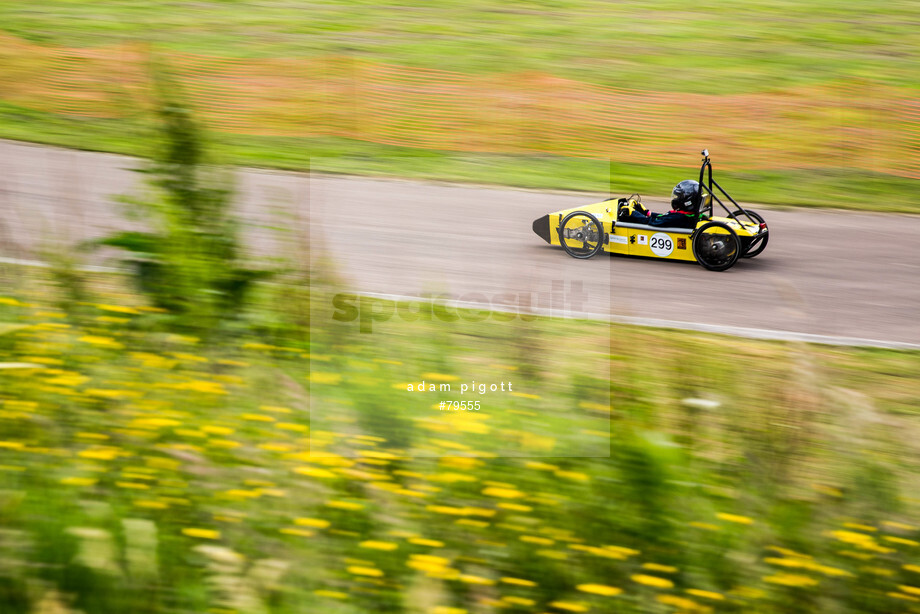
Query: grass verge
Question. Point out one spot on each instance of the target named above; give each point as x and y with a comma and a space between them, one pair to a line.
839, 188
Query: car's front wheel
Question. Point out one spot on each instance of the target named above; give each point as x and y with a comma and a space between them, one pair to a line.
581, 234
716, 246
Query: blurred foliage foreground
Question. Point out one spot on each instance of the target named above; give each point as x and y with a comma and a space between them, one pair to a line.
143, 470
201, 440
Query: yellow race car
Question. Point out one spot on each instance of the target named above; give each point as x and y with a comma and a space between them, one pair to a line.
689, 231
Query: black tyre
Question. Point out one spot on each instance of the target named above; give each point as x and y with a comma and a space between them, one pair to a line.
716, 246
759, 243
581, 227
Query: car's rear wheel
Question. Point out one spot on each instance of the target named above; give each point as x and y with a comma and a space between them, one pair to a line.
581, 234
716, 246
759, 243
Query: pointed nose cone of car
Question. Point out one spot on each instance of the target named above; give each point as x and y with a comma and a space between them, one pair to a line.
541, 227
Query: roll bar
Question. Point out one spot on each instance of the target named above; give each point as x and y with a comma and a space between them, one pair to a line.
707, 165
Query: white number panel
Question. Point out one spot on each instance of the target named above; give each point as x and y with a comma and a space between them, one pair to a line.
661, 244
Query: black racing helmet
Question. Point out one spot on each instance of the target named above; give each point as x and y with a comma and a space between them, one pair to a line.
686, 196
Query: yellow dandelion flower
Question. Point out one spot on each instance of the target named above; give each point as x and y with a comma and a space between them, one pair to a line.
532, 539
460, 462
911, 590
71, 380
502, 493
443, 609
153, 505
791, 579
900, 540
524, 395
913, 568
155, 423
734, 518
118, 309
680, 603
518, 582
866, 542
358, 570
296, 531
599, 589
572, 475
44, 360
330, 594
224, 443
568, 606
788, 552
862, 556
238, 493
257, 418
903, 596
540, 466
440, 377
661, 568
654, 581
471, 579
203, 386
859, 527
316, 523
314, 472
290, 426
100, 453
518, 600
202, 533
705, 594
420, 541
257, 346
325, 378
850, 537
428, 565
190, 433
345, 505
275, 409
378, 545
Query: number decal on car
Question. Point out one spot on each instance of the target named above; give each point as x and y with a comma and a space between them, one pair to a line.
661, 245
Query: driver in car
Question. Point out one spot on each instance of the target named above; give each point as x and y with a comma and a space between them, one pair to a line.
684, 213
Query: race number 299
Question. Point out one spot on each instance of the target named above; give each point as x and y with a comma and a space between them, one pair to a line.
661, 244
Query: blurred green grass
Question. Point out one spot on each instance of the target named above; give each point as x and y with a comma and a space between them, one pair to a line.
668, 45
838, 188
657, 45
147, 471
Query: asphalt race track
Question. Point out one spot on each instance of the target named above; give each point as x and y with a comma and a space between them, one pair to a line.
829, 273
